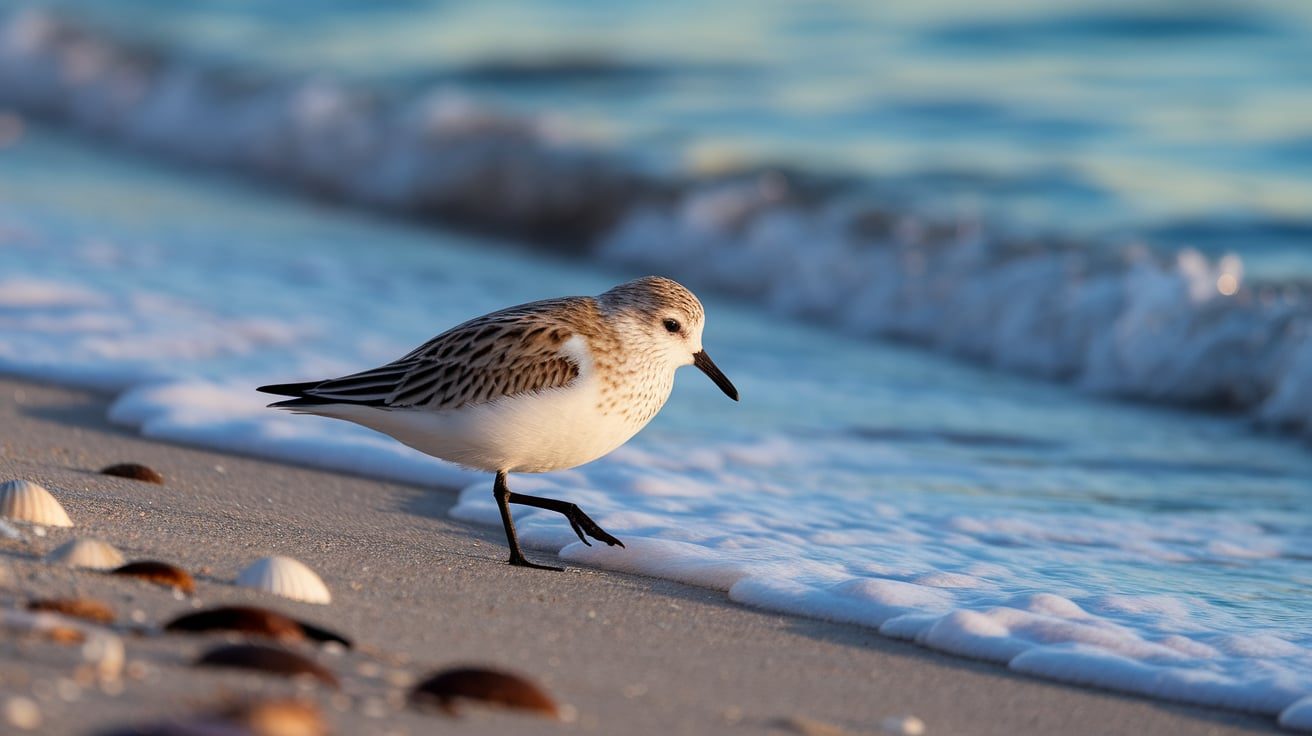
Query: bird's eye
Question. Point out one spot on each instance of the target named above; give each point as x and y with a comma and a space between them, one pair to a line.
672, 325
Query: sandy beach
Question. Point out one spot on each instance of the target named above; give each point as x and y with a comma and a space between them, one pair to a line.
419, 592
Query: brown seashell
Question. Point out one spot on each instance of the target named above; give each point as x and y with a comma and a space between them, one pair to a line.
160, 573
88, 609
267, 659
135, 471
253, 620
486, 686
245, 619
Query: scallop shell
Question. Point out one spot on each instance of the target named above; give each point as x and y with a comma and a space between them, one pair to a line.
23, 500
286, 577
89, 553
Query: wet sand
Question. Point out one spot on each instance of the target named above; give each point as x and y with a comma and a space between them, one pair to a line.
419, 592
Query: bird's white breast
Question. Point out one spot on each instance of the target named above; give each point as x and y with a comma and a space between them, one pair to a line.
533, 432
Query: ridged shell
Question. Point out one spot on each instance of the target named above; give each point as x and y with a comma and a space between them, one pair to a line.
92, 554
286, 577
23, 500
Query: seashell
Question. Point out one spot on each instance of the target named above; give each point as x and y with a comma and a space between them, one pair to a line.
286, 577
253, 620
135, 471
245, 619
23, 500
266, 659
490, 687
92, 554
160, 573
88, 609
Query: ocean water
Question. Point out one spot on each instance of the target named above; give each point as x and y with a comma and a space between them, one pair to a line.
1093, 113
1112, 195
1170, 265
1135, 548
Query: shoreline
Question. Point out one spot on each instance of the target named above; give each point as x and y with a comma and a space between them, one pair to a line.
1066, 310
420, 591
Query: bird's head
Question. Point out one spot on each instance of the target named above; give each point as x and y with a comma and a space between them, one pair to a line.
670, 318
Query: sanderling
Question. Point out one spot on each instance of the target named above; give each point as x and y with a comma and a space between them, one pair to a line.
542, 386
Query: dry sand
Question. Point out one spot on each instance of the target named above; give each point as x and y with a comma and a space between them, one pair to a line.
419, 592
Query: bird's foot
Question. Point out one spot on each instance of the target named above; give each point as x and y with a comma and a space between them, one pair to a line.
581, 523
518, 560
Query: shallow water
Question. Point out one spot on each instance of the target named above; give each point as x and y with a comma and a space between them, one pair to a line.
1147, 550
1078, 116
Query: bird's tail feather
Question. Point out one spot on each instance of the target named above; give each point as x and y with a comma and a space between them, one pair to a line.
296, 390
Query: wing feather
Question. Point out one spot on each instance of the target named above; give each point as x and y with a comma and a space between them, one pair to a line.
514, 351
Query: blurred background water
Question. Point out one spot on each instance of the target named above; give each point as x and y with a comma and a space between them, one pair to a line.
1188, 122
969, 177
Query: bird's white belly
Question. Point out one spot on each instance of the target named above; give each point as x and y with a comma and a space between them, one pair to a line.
529, 433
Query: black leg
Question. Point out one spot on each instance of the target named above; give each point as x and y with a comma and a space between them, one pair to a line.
578, 520
503, 495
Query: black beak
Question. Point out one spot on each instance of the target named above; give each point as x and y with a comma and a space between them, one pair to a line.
707, 366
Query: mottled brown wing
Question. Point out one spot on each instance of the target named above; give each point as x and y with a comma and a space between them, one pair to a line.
514, 351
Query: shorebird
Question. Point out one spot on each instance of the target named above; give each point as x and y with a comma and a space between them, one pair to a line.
538, 387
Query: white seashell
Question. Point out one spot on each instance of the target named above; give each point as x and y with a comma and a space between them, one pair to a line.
89, 553
23, 500
285, 577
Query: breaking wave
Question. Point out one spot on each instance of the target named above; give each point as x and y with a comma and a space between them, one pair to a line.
1114, 318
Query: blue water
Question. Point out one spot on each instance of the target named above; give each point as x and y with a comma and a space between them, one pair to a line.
971, 511
856, 481
1124, 117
